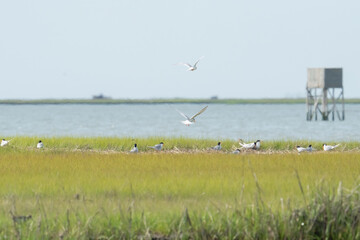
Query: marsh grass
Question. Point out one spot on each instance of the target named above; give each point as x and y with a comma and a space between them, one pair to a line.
178, 144
202, 195
327, 216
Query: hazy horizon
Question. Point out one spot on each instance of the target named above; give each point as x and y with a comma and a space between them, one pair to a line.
160, 98
129, 49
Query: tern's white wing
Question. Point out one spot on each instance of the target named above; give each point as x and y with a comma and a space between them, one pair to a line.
186, 64
182, 114
200, 112
198, 61
157, 147
247, 145
301, 149
329, 147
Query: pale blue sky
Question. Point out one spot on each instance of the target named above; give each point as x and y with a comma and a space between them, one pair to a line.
128, 48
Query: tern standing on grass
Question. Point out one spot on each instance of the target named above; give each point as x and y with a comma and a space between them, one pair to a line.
247, 145
302, 149
329, 147
191, 120
237, 151
254, 145
4, 142
157, 147
257, 144
40, 145
217, 147
134, 149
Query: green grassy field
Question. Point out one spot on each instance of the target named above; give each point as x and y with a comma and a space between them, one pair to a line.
80, 188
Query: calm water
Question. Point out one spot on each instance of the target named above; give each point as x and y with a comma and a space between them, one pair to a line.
246, 121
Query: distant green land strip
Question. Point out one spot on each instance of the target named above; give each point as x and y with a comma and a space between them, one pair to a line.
167, 101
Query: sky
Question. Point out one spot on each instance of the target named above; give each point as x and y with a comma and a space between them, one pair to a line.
129, 49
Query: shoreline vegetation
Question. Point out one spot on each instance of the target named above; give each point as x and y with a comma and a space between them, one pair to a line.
167, 101
74, 189
171, 144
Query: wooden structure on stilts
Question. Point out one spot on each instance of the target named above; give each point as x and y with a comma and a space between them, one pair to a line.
325, 94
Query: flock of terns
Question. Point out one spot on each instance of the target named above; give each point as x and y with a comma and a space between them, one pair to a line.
310, 148
159, 146
244, 146
191, 120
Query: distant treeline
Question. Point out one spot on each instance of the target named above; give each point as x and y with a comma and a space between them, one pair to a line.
168, 101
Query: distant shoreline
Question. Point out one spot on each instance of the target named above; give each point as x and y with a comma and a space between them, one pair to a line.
168, 101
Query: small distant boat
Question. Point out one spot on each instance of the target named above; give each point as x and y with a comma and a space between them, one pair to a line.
100, 96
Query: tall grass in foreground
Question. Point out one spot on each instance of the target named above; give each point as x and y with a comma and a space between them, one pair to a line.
326, 216
83, 195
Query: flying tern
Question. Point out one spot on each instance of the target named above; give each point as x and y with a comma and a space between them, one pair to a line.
134, 149
302, 149
329, 147
157, 147
217, 147
191, 67
40, 145
4, 142
191, 120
